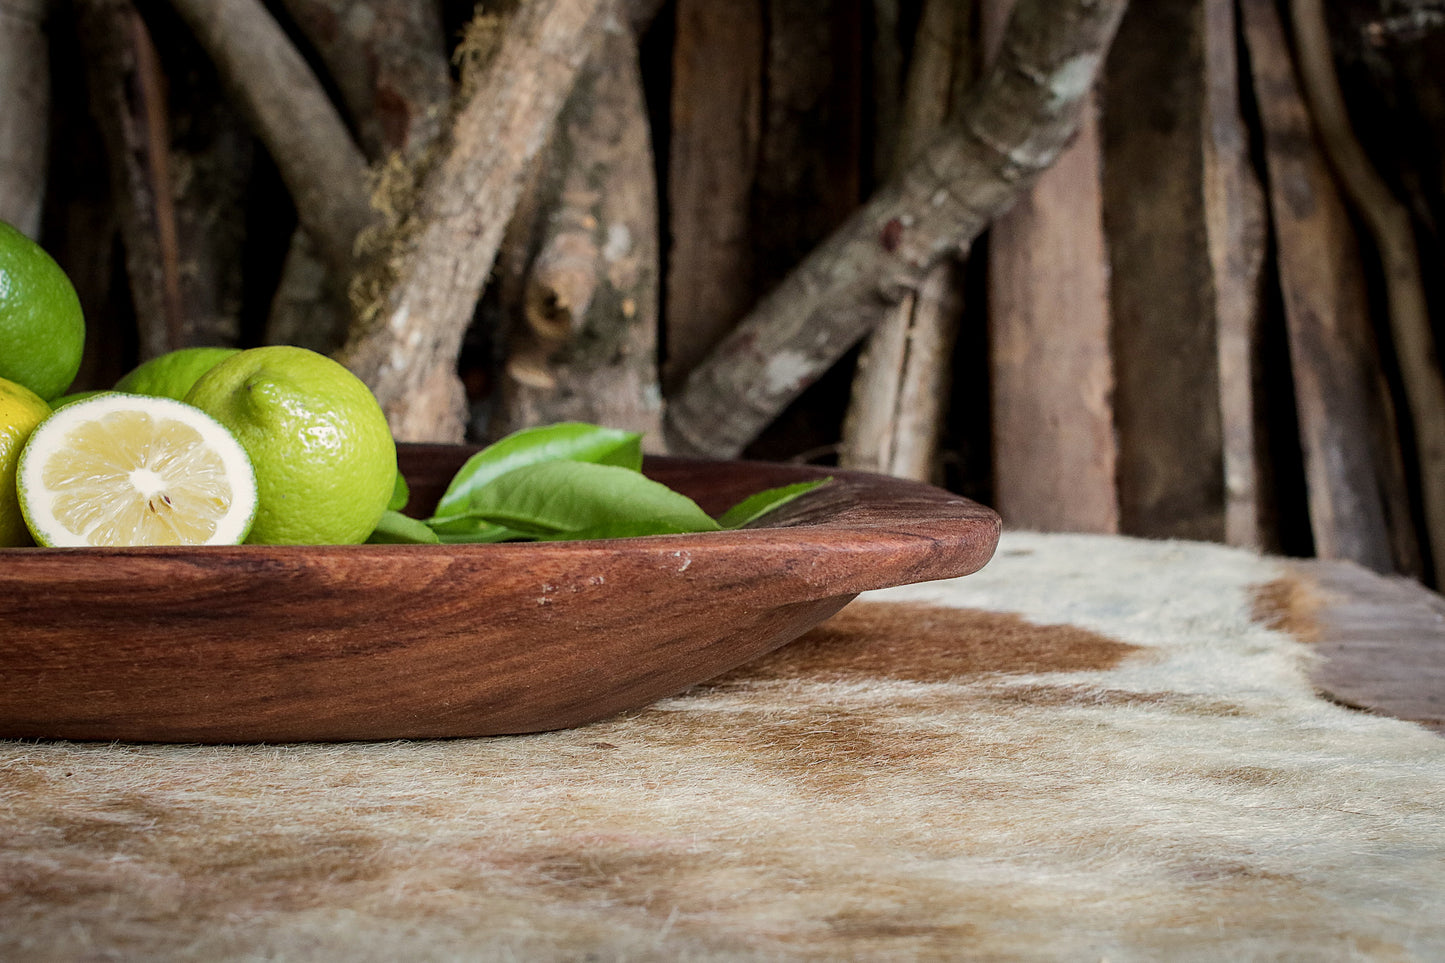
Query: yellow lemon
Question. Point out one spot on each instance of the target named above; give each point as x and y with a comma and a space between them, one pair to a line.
20, 411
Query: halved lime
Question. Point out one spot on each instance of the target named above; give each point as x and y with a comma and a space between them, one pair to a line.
121, 470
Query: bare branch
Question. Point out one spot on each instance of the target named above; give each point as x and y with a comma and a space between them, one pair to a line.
1022, 115
388, 60
291, 113
407, 352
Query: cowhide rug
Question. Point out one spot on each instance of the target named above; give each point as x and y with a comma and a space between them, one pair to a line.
1095, 748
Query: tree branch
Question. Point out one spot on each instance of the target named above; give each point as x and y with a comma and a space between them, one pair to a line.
1022, 115
407, 351
388, 60
901, 386
291, 113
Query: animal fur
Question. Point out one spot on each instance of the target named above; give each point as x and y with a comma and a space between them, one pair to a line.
1095, 748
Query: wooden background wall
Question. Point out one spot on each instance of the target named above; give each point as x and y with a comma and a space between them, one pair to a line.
1215, 317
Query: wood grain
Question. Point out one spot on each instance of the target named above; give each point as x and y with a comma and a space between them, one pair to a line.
1353, 486
261, 644
1234, 222
716, 117
1382, 641
1051, 371
1166, 402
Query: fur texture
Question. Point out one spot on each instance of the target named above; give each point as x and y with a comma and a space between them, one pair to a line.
1093, 749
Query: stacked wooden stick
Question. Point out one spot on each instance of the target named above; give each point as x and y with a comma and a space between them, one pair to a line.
1148, 282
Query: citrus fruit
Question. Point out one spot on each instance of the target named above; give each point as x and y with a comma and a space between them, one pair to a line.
57, 403
323, 453
42, 330
172, 375
20, 411
121, 469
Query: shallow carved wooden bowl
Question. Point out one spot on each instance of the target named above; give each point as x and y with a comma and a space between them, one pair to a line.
257, 644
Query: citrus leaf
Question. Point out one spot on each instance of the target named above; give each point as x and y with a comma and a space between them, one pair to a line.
755, 506
559, 497
468, 529
400, 493
398, 529
570, 441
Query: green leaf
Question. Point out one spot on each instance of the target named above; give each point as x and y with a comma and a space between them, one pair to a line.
397, 529
563, 497
400, 493
467, 530
621, 529
570, 441
753, 507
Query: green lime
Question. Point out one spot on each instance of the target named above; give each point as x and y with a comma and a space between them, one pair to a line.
57, 403
172, 375
42, 329
122, 470
324, 457
20, 411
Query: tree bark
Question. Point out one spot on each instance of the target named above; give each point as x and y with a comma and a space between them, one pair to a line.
1337, 382
901, 386
24, 133
289, 110
407, 350
1235, 228
128, 104
586, 347
388, 61
1023, 114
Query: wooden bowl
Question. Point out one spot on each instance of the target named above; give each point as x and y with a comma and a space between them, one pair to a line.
264, 644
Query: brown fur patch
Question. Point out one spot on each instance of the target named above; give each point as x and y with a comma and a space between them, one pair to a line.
1289, 604
915, 642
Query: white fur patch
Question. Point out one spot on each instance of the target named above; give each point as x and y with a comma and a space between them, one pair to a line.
1144, 775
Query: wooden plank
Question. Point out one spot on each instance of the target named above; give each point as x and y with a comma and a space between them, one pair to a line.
1051, 371
24, 132
1381, 638
1234, 222
1332, 351
716, 124
1166, 402
810, 163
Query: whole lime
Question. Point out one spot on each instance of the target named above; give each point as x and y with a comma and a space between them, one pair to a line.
172, 375
42, 329
324, 457
20, 411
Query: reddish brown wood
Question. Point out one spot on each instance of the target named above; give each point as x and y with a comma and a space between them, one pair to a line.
267, 644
